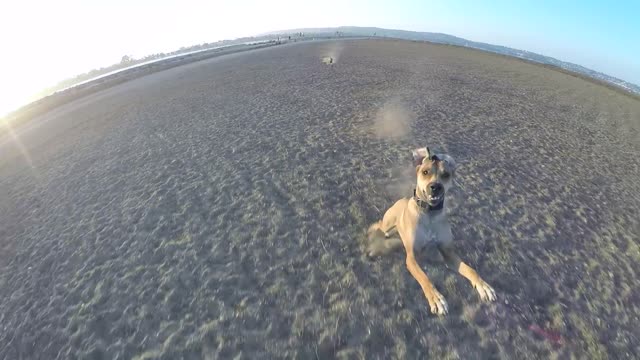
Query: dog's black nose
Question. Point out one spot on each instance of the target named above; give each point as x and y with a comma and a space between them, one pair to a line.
436, 187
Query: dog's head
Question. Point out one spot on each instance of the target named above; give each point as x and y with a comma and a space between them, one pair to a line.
434, 173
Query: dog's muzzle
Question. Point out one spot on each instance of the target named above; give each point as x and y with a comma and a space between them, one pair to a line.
436, 193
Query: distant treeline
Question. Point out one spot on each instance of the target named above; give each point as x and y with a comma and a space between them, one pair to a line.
127, 61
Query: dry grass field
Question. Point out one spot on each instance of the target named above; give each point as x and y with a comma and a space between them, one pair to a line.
218, 210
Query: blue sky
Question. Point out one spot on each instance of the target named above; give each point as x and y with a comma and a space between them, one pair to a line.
60, 39
602, 35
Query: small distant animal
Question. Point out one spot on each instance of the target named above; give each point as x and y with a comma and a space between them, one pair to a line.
421, 220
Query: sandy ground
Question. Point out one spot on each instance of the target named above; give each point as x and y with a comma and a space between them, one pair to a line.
24, 115
218, 210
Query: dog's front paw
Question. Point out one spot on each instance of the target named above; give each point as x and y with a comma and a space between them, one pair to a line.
485, 291
437, 303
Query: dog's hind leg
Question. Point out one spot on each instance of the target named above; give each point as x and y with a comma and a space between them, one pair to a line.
381, 241
388, 230
390, 219
383, 235
380, 245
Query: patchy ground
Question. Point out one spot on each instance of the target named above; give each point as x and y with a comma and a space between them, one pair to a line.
219, 208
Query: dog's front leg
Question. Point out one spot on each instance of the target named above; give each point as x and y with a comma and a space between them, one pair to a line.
436, 301
454, 262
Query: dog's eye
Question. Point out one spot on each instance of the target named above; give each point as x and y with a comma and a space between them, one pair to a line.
445, 175
425, 172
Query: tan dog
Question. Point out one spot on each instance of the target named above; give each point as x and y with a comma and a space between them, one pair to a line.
421, 220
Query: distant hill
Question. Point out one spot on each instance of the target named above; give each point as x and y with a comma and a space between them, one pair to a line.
453, 40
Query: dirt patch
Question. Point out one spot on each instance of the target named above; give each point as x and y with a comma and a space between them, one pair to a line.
393, 120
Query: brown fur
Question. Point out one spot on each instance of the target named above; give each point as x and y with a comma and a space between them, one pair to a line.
406, 224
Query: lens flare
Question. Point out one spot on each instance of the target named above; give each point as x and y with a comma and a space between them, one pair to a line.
16, 141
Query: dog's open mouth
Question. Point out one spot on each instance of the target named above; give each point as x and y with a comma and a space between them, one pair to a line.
435, 199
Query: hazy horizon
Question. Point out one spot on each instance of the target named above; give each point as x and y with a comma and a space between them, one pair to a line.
72, 37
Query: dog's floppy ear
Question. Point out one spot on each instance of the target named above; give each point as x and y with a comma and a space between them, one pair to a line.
449, 164
420, 154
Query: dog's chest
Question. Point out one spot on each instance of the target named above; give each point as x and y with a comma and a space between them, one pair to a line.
432, 231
